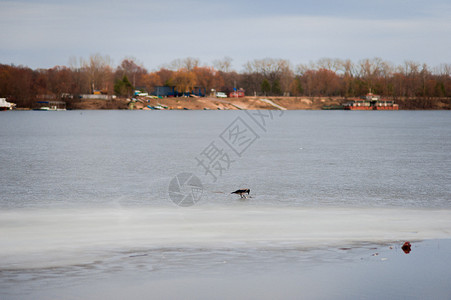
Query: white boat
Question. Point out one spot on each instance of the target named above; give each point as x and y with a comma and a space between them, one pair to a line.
5, 105
51, 105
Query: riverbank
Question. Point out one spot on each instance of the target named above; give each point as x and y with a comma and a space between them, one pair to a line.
209, 103
288, 103
245, 103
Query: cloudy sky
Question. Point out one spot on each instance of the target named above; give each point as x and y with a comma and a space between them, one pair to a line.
45, 33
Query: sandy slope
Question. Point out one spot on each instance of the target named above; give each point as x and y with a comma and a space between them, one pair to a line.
290, 103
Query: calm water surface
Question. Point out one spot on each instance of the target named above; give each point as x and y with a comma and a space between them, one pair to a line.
306, 158
84, 203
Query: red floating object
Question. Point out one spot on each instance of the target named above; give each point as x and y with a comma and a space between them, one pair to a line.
406, 247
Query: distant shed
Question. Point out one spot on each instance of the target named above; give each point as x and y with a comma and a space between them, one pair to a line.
170, 91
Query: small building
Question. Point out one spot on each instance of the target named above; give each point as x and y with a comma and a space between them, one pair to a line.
234, 92
164, 91
199, 91
96, 97
171, 91
237, 94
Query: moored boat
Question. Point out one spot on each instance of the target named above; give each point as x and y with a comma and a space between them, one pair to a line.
50, 105
5, 105
371, 102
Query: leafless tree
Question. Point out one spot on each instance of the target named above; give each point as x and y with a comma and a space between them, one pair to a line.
370, 70
188, 63
223, 65
133, 70
99, 72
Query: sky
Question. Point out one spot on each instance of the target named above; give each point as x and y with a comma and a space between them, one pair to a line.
46, 33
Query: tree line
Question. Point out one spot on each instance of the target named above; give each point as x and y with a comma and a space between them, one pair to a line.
260, 77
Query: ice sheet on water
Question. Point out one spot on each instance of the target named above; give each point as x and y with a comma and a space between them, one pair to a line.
60, 237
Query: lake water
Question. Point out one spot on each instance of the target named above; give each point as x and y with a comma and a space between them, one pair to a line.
86, 200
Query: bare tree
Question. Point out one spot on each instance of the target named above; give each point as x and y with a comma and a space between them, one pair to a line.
223, 65
133, 70
349, 72
410, 70
99, 72
208, 78
301, 69
386, 74
370, 70
286, 76
188, 63
277, 72
331, 64
445, 71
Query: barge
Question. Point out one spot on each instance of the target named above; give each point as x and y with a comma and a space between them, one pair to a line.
371, 102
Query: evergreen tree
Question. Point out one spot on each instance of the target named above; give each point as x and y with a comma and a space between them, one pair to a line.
123, 87
276, 90
265, 86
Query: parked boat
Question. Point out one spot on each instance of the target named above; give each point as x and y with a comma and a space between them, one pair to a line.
333, 107
51, 105
5, 105
371, 102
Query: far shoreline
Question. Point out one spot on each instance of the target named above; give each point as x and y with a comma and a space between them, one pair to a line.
244, 103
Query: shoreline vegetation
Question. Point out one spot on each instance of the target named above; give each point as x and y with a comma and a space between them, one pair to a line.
95, 83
